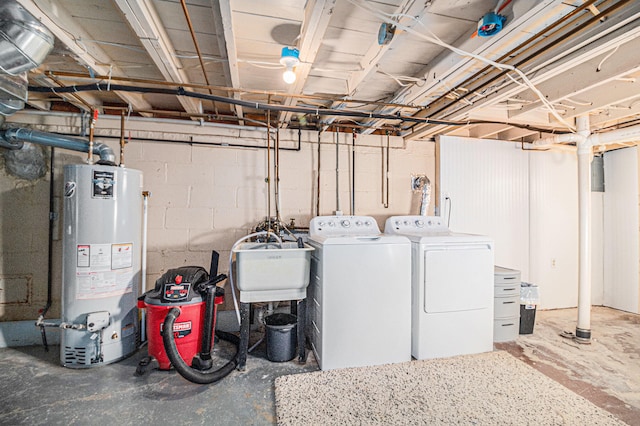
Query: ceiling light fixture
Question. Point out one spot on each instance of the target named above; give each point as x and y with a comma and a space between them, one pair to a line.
290, 59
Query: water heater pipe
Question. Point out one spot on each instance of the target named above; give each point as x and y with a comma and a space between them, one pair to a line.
15, 136
318, 177
353, 172
337, 135
143, 261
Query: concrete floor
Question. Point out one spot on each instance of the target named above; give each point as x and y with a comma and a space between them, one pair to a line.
606, 372
35, 390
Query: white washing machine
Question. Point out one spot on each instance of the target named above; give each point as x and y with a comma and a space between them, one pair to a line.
452, 288
359, 293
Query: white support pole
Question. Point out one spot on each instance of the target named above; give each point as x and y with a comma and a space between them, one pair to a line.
583, 328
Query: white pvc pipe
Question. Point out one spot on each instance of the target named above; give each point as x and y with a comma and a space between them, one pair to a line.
630, 134
143, 278
559, 139
583, 328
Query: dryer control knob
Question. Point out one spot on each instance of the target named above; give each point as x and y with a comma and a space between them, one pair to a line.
419, 223
345, 223
367, 223
320, 224
358, 223
331, 224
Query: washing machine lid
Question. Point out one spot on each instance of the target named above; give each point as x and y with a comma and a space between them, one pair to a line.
378, 239
450, 238
429, 230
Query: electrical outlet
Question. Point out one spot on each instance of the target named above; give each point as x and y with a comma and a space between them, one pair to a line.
553, 263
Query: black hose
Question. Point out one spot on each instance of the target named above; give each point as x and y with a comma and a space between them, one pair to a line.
52, 217
195, 376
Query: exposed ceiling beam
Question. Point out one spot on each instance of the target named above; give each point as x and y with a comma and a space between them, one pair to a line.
586, 76
614, 94
515, 134
449, 69
145, 22
223, 21
621, 29
317, 14
375, 52
60, 22
485, 131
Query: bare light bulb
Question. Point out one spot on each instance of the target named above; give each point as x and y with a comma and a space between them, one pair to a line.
289, 76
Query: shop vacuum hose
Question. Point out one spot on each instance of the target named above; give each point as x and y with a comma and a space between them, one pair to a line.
202, 375
191, 374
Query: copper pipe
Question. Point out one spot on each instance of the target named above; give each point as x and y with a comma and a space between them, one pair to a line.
268, 174
92, 127
318, 180
122, 142
195, 43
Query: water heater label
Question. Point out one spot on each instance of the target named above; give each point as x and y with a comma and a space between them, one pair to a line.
84, 251
103, 184
121, 256
104, 270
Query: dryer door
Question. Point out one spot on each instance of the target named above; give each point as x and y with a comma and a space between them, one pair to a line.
457, 278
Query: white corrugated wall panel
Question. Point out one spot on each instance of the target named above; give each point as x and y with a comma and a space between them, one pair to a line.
597, 249
488, 183
621, 289
554, 227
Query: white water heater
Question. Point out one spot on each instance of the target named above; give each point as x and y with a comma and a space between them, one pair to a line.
101, 264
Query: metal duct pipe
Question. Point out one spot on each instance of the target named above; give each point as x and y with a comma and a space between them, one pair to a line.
15, 136
423, 184
24, 44
426, 197
24, 41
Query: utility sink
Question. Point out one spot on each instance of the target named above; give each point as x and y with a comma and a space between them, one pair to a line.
266, 272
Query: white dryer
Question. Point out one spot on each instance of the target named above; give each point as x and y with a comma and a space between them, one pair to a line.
452, 288
359, 293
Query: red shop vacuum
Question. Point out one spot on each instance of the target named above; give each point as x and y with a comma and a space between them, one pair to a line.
184, 300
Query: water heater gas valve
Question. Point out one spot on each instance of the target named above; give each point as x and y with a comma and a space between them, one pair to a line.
97, 321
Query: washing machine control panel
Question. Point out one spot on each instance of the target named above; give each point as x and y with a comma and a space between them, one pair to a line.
343, 225
401, 224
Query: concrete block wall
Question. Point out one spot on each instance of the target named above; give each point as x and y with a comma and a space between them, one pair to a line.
205, 196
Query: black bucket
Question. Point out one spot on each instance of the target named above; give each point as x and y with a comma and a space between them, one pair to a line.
281, 336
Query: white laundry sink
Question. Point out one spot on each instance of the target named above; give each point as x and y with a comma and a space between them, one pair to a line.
268, 272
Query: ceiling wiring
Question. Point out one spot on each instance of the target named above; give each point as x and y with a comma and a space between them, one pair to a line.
505, 67
609, 55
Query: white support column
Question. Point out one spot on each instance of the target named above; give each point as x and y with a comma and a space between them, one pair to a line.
583, 328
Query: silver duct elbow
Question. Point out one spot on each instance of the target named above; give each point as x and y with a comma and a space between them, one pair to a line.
423, 184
